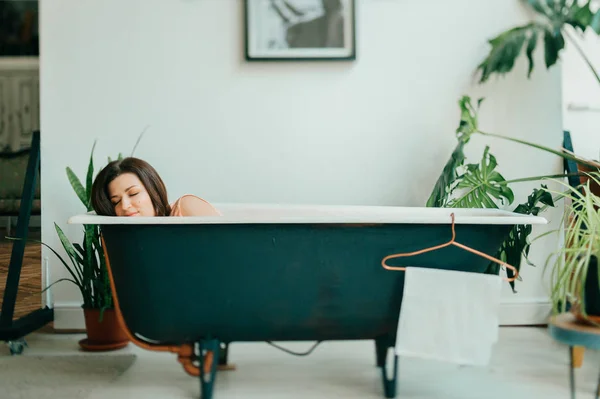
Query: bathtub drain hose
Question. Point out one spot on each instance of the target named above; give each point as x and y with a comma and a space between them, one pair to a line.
295, 353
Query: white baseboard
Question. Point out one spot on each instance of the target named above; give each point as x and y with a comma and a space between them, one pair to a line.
69, 316
521, 313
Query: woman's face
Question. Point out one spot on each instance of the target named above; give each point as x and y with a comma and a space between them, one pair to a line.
129, 196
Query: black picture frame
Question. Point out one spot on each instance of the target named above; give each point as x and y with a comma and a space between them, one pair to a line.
279, 30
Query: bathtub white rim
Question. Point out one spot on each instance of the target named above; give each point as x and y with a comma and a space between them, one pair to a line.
330, 214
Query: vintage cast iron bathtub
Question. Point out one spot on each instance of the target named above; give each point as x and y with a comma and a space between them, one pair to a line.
191, 285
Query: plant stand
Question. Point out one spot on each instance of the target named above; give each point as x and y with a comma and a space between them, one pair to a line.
567, 329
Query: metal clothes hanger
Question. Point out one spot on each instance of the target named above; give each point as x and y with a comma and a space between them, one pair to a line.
451, 242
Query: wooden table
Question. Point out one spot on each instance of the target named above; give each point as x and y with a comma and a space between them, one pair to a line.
567, 329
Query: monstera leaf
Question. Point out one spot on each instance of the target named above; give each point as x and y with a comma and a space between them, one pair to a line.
482, 185
469, 119
517, 244
555, 16
441, 190
468, 126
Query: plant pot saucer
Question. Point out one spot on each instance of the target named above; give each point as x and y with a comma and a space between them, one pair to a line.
86, 345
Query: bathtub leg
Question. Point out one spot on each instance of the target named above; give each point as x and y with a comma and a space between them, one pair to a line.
389, 384
381, 348
207, 381
382, 345
223, 355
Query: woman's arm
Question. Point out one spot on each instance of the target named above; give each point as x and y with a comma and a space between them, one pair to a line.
190, 205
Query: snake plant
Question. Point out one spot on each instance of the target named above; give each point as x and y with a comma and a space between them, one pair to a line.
86, 263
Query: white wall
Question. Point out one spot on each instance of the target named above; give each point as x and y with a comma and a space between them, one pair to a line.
376, 131
581, 95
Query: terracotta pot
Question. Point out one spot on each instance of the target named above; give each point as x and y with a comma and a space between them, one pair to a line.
594, 187
591, 296
103, 335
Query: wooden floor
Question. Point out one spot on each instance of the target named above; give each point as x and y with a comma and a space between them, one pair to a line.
29, 297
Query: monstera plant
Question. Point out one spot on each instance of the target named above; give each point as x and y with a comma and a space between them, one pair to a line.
480, 185
555, 24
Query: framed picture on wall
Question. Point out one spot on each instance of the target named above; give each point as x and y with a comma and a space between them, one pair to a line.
300, 30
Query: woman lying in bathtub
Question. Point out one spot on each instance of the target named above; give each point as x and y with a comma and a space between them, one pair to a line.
132, 187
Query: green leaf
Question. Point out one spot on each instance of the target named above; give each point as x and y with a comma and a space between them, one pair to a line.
439, 196
467, 126
482, 184
517, 243
468, 119
56, 282
65, 242
556, 7
580, 17
89, 265
530, 207
539, 7
103, 271
137, 142
70, 269
553, 43
77, 186
89, 177
506, 48
77, 267
107, 298
595, 22
530, 49
79, 249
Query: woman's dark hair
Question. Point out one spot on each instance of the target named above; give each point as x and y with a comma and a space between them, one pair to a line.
147, 175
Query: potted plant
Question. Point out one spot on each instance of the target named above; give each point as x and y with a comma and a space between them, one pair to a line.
557, 24
479, 184
87, 267
574, 273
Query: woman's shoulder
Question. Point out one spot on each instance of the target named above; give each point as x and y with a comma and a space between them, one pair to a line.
192, 205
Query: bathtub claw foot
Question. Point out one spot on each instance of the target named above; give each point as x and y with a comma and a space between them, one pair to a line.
209, 352
389, 383
224, 364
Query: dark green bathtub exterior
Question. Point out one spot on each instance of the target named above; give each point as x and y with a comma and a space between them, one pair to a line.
190, 283
184, 283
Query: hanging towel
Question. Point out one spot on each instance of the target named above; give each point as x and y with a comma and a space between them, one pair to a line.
449, 316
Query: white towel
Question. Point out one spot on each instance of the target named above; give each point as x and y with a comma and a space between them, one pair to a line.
449, 316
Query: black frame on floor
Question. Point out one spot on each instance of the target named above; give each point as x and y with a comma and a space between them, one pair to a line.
13, 330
